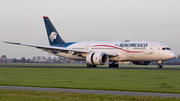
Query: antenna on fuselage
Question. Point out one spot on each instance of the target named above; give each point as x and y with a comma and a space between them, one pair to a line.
126, 40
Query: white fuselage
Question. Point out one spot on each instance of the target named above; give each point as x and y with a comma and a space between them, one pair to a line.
126, 51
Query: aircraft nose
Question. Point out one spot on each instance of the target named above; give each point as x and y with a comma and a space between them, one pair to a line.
171, 55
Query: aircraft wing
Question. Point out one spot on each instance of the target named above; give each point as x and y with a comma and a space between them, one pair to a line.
77, 52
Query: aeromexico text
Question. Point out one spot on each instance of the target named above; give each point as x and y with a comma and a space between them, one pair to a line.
133, 45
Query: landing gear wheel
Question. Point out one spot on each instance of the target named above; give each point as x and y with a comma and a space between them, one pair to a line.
110, 65
159, 66
113, 65
117, 65
94, 66
88, 65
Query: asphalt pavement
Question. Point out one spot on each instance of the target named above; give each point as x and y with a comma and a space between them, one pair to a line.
134, 68
90, 91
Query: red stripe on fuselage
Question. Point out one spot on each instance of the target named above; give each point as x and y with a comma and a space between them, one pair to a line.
117, 48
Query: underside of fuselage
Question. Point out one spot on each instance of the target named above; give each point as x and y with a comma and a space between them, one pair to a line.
68, 56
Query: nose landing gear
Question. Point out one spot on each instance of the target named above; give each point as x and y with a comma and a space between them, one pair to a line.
160, 64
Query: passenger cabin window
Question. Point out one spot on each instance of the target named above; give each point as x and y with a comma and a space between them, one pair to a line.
166, 48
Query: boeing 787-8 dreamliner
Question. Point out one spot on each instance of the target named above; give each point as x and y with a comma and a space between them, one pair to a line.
107, 52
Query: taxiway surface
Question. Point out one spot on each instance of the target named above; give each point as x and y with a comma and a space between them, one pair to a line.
90, 91
135, 68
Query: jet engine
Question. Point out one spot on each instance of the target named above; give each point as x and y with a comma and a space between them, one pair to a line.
141, 62
98, 58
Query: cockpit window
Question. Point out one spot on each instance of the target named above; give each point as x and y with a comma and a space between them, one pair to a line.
166, 48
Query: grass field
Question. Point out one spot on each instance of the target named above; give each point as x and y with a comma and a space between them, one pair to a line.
23, 95
100, 79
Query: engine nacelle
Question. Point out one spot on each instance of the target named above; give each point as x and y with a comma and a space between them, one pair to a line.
141, 62
98, 58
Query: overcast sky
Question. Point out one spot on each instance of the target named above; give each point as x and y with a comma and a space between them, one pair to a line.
87, 20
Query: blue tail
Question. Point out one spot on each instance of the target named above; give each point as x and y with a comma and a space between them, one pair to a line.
53, 36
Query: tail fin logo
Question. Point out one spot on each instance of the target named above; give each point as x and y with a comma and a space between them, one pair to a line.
52, 36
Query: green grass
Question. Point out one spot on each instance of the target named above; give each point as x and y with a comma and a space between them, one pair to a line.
100, 79
23, 95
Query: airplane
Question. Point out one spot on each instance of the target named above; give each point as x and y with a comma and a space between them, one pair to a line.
107, 52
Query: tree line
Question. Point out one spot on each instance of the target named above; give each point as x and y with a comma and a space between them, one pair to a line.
38, 59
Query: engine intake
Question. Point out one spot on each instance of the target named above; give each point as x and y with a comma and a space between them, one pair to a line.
98, 58
141, 62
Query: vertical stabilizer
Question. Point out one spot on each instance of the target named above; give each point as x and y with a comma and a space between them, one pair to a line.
53, 36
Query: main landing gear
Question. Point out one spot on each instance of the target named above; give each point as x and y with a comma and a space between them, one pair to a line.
113, 65
88, 65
